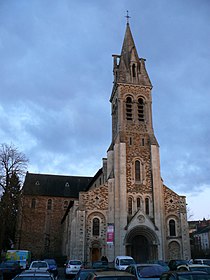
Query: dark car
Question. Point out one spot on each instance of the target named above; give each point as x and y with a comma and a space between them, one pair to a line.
146, 271
34, 275
173, 264
110, 274
10, 269
83, 273
100, 265
190, 275
53, 268
160, 262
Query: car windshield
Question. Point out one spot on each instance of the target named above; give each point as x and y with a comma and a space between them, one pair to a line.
100, 264
75, 262
39, 264
150, 271
126, 261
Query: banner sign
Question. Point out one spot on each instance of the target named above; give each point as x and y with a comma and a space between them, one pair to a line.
110, 233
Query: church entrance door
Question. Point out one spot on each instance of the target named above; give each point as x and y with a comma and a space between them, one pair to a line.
140, 249
95, 254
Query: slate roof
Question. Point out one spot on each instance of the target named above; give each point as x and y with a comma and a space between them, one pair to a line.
54, 185
203, 230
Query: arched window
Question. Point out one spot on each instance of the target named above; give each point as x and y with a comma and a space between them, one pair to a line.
138, 202
96, 227
134, 70
33, 203
130, 205
141, 110
137, 170
129, 109
49, 204
172, 228
147, 206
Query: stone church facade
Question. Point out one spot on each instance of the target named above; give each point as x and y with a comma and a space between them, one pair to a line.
125, 209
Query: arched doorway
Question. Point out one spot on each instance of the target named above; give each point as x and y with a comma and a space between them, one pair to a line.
141, 244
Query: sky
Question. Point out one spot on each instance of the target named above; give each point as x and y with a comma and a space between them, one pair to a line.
56, 80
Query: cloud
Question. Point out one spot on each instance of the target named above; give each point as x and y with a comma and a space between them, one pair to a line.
56, 81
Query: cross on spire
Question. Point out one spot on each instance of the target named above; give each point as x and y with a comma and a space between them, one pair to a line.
127, 16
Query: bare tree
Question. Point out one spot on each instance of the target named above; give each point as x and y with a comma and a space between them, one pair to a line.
13, 165
11, 162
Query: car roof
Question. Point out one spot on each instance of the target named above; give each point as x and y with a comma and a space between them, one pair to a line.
185, 272
124, 257
108, 273
34, 272
193, 265
146, 264
31, 271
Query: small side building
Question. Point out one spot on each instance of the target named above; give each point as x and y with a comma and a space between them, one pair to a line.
45, 200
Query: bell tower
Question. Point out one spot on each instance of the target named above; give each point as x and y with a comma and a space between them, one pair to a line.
133, 156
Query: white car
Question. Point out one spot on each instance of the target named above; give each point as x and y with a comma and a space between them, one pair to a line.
122, 262
194, 267
72, 267
39, 265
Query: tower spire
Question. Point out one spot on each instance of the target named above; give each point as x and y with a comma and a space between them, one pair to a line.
128, 68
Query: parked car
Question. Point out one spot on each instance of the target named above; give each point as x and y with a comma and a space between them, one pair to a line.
160, 262
145, 271
174, 263
194, 267
10, 269
202, 261
121, 262
100, 265
53, 268
34, 274
183, 275
72, 267
110, 274
83, 273
39, 265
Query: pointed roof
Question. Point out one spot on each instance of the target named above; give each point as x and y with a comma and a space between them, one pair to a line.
128, 48
128, 58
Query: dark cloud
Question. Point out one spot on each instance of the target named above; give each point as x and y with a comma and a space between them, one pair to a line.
56, 81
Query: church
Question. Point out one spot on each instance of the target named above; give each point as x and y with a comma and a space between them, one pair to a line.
125, 209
